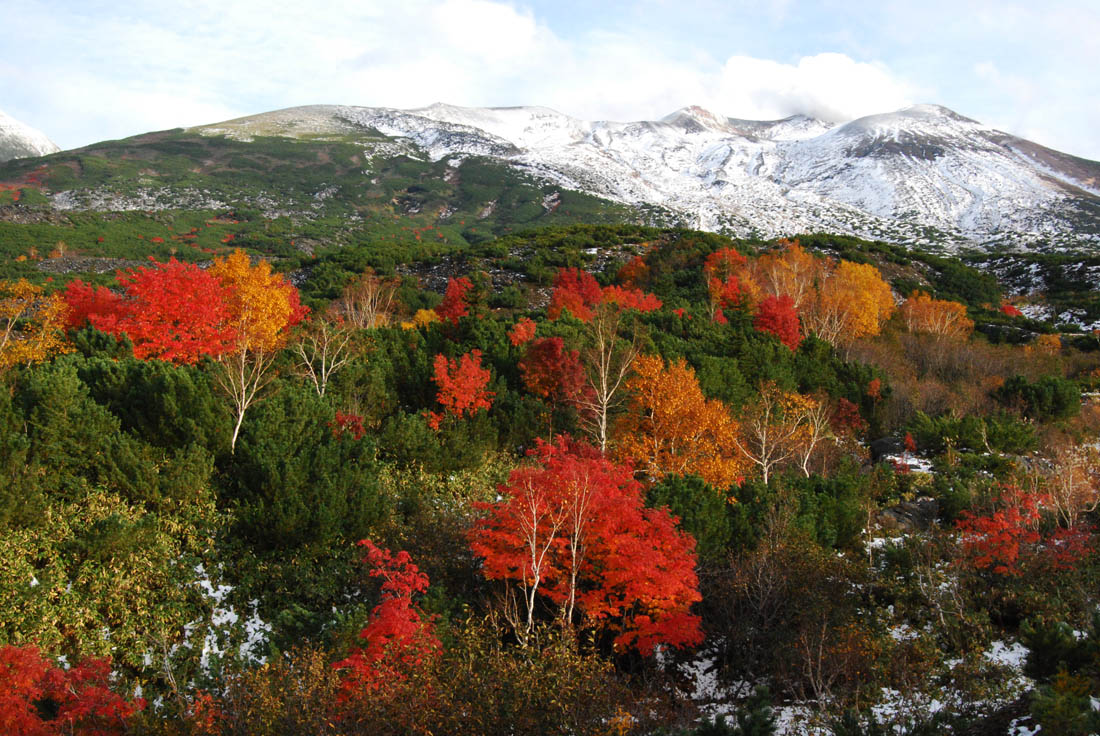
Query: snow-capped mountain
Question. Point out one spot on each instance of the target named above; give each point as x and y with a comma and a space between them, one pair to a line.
18, 140
921, 174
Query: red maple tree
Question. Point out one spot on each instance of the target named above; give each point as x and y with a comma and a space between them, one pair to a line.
778, 316
398, 636
85, 300
575, 290
627, 298
996, 541
170, 311
551, 371
578, 291
522, 332
454, 304
574, 531
38, 698
461, 385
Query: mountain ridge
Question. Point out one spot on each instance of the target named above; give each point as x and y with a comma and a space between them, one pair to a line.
895, 175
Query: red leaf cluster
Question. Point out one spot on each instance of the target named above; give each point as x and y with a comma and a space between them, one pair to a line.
575, 290
171, 311
634, 273
1010, 310
995, 541
522, 332
86, 301
578, 291
38, 698
551, 371
777, 315
347, 424
398, 636
575, 529
626, 298
454, 305
461, 385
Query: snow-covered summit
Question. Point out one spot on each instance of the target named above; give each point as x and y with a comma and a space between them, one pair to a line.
18, 140
917, 174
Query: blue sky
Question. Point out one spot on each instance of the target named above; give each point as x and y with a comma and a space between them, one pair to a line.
88, 71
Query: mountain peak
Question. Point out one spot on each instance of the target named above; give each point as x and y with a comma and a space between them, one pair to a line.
19, 140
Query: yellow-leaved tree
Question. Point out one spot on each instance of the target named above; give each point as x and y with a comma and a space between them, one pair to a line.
263, 306
32, 325
779, 426
851, 301
670, 427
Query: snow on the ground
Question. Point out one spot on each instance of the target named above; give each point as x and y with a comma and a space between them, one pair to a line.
224, 619
1008, 655
914, 463
1020, 727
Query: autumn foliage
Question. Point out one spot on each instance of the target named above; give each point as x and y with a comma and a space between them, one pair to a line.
522, 332
777, 315
179, 312
670, 427
922, 313
577, 291
38, 698
573, 531
552, 372
455, 304
729, 283
170, 311
461, 386
996, 541
399, 636
262, 304
31, 324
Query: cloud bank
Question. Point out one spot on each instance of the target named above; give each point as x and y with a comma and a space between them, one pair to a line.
103, 72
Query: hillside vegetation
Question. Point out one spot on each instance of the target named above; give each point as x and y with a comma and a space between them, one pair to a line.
572, 479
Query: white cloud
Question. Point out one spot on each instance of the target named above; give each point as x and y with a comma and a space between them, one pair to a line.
111, 72
827, 86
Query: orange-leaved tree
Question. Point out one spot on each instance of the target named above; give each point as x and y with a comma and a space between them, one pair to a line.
461, 386
671, 428
522, 332
262, 306
574, 531
921, 313
31, 324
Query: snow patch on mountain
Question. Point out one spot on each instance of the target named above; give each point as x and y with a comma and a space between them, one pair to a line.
923, 175
18, 140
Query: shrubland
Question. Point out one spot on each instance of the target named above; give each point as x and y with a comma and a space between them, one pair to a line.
589, 463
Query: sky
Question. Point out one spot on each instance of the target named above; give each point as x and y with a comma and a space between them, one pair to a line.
87, 71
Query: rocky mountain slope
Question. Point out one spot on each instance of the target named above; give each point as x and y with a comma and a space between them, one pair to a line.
18, 140
923, 175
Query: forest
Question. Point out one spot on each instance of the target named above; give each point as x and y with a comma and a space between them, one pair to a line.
588, 479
